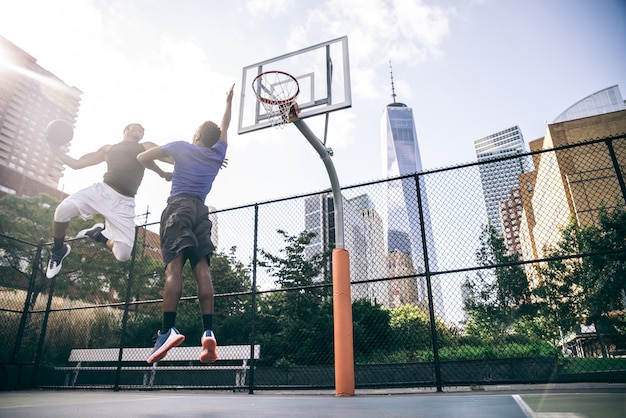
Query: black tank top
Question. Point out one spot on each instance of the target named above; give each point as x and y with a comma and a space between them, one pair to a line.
124, 172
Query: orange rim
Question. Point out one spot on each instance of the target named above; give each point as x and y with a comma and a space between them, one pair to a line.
275, 102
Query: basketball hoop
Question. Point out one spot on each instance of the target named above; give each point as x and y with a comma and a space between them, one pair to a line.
277, 91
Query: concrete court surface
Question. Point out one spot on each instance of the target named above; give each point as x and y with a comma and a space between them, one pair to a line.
569, 401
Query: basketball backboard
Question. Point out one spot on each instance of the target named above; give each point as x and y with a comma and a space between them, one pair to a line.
323, 74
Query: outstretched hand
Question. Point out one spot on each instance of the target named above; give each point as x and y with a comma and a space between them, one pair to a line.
229, 94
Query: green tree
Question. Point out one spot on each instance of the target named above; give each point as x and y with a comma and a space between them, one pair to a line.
232, 283
497, 297
230, 275
585, 278
411, 331
26, 220
89, 269
371, 330
296, 324
604, 273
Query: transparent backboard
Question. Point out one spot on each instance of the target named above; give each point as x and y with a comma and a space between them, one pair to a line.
323, 74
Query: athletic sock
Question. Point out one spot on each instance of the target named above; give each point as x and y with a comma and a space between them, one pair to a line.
169, 320
98, 237
207, 321
58, 243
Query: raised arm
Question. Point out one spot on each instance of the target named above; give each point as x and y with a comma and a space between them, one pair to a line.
227, 114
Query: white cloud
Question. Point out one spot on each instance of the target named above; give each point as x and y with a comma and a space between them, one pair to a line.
272, 8
411, 29
405, 32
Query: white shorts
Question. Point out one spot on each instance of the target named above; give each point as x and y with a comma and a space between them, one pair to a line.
117, 209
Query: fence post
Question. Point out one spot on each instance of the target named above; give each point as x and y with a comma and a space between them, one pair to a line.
253, 302
618, 171
131, 274
429, 289
31, 286
44, 328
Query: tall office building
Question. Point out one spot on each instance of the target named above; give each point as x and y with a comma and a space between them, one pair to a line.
30, 97
500, 177
364, 238
510, 219
401, 156
319, 217
365, 241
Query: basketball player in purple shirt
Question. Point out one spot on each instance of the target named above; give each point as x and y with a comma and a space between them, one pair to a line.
186, 229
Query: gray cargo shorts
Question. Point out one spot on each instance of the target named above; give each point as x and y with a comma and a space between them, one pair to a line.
185, 227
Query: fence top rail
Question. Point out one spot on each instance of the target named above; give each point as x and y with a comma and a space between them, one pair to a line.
431, 171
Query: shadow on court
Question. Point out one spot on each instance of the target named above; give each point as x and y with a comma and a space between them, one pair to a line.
606, 401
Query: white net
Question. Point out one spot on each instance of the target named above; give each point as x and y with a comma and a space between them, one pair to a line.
277, 91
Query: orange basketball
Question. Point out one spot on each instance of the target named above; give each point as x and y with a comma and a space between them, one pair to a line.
59, 132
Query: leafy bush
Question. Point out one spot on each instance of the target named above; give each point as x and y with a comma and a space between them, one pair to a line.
573, 365
484, 352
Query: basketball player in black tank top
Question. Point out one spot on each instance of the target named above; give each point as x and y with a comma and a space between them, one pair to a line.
114, 198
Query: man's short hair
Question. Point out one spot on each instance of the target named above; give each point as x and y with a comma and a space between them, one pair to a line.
131, 125
210, 133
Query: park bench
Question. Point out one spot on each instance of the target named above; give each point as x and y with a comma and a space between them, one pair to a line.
177, 359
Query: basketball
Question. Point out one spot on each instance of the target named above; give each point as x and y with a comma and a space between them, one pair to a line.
59, 132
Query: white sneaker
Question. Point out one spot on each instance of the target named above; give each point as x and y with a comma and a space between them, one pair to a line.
56, 260
209, 345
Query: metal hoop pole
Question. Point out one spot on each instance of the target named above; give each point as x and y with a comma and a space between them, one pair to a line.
332, 174
342, 301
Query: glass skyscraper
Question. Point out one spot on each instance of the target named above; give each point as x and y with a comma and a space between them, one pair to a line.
500, 177
401, 156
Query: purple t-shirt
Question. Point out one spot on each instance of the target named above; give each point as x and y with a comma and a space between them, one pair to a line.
195, 167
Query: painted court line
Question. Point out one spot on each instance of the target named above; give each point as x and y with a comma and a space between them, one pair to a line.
523, 406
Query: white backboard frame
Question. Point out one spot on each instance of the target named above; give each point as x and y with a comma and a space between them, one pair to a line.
323, 74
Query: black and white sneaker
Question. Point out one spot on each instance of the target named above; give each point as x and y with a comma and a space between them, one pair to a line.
56, 260
91, 232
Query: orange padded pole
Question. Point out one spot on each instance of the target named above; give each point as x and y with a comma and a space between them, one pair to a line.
342, 313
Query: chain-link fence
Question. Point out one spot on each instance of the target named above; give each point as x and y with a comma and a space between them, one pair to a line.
458, 277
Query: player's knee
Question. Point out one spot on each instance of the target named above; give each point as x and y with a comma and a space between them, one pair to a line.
65, 211
173, 292
122, 252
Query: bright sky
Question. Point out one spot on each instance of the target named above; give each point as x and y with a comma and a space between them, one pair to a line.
468, 68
